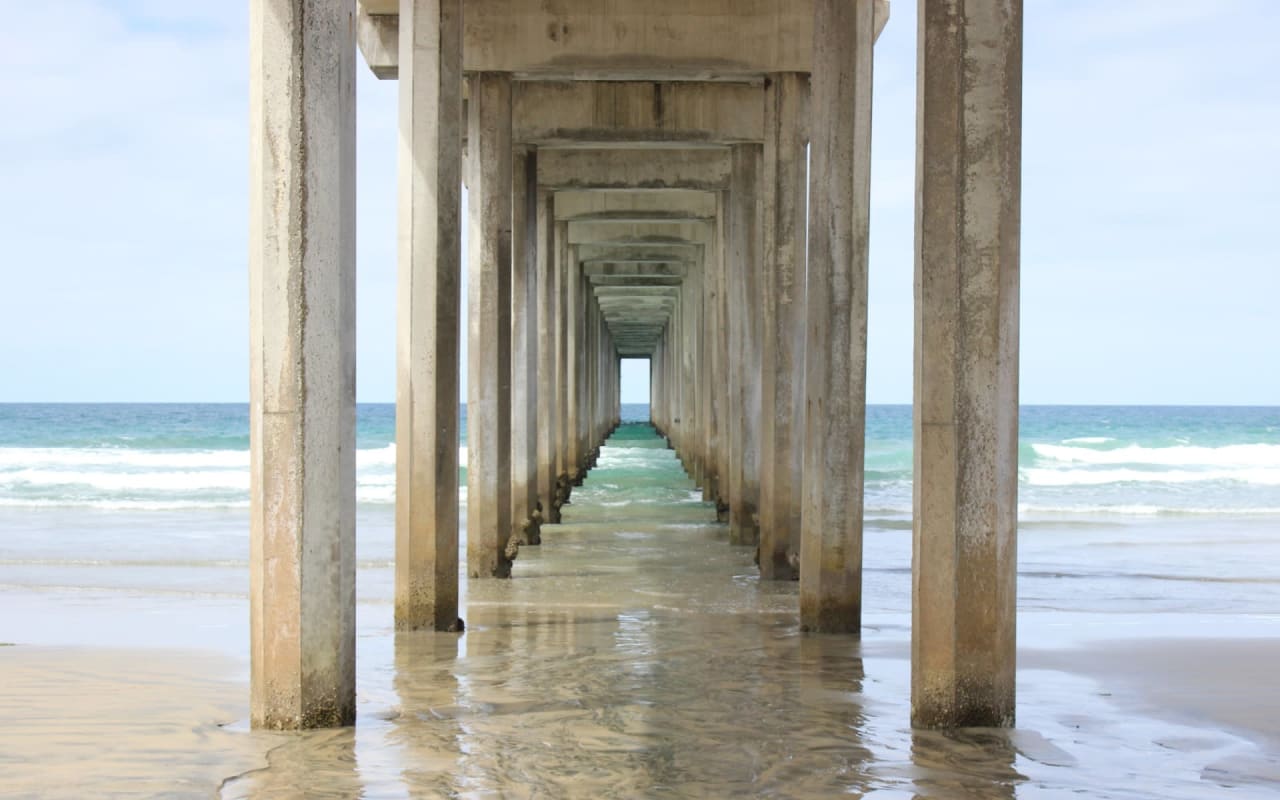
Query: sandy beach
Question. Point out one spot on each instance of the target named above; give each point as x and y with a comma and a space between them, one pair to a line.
646, 662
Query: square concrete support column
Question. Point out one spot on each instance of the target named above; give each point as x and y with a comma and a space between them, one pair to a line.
655, 386
428, 297
720, 439
302, 391
574, 314
968, 174
525, 517
592, 385
582, 382
782, 362
745, 325
708, 333
564, 434
546, 343
836, 310
489, 327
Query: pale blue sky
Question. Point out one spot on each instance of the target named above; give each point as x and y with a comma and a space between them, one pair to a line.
1151, 194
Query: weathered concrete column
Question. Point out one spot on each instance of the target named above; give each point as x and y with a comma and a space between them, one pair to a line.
720, 439
525, 519
547, 309
836, 310
302, 392
745, 325
582, 384
964, 565
564, 255
489, 327
573, 366
655, 386
428, 296
782, 362
708, 332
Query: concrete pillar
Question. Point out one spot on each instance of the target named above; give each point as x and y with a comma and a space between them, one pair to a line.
525, 518
707, 333
720, 381
302, 392
657, 390
564, 254
573, 366
782, 370
489, 327
836, 313
428, 296
547, 410
745, 325
964, 565
583, 353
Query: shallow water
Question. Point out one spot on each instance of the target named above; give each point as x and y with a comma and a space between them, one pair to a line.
636, 654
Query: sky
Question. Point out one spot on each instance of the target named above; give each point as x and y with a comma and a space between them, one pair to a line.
1151, 201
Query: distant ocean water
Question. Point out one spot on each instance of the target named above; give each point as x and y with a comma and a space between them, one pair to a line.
1074, 461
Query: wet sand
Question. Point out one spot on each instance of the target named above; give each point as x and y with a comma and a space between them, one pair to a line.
639, 657
97, 722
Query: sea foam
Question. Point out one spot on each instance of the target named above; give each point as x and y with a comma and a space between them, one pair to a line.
1235, 455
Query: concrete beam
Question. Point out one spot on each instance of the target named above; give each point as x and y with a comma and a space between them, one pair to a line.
965, 537
705, 169
636, 291
636, 280
378, 37
652, 233
578, 112
642, 206
302, 393
628, 39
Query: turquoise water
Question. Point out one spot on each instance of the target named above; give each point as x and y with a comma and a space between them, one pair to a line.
1075, 461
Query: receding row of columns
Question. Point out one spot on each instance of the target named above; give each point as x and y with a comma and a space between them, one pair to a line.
786, 459
758, 374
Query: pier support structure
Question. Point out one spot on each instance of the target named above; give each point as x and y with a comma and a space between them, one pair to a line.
427, 316
302, 389
623, 204
489, 523
836, 355
964, 570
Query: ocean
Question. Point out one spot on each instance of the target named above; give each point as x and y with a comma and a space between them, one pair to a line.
636, 653
1074, 461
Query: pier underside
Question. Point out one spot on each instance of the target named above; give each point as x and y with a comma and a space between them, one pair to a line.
684, 182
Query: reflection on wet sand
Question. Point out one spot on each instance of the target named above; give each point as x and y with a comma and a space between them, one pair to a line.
636, 654
967, 762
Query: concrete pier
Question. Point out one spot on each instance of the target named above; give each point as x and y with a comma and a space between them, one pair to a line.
548, 316
525, 516
427, 317
745, 331
302, 391
489, 523
683, 183
836, 345
782, 352
964, 571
